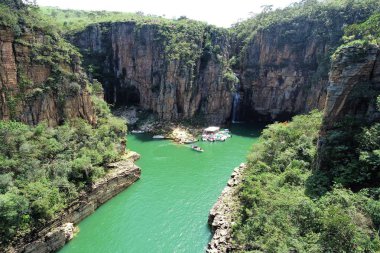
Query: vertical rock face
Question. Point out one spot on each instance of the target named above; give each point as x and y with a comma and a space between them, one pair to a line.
24, 91
134, 64
354, 85
284, 68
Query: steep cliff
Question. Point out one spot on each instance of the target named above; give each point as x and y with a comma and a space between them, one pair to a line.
177, 70
350, 112
183, 69
354, 84
284, 66
40, 74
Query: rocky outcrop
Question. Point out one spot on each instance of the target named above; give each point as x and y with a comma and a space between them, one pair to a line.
60, 230
354, 86
34, 87
220, 217
138, 66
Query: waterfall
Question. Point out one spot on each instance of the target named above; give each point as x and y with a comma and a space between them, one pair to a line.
236, 99
235, 106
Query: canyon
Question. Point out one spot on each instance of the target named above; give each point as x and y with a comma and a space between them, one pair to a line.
277, 74
185, 70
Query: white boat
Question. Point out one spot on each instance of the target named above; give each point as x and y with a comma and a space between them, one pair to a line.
158, 137
196, 148
137, 131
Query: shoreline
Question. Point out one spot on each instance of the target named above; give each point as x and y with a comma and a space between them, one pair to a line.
220, 216
59, 231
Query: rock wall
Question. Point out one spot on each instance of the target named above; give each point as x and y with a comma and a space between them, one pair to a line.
59, 231
133, 63
354, 85
284, 67
25, 94
220, 217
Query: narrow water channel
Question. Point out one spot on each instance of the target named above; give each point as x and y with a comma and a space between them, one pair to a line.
167, 209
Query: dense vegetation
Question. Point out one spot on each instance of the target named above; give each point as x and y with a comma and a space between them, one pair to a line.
42, 168
75, 20
326, 18
46, 48
281, 206
351, 155
286, 204
311, 10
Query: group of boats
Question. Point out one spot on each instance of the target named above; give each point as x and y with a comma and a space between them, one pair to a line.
210, 134
213, 134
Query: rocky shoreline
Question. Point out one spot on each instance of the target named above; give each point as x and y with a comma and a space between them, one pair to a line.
59, 231
220, 217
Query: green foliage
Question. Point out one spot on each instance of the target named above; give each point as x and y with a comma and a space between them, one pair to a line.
351, 155
182, 40
362, 35
277, 215
312, 10
42, 169
46, 48
69, 21
368, 30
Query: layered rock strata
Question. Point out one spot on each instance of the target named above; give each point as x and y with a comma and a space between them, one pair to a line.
136, 66
354, 86
284, 67
220, 217
60, 230
32, 89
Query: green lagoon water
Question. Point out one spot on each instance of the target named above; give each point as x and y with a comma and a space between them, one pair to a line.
167, 209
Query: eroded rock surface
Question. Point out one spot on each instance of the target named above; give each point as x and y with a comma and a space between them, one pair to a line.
135, 69
25, 94
59, 231
220, 217
354, 86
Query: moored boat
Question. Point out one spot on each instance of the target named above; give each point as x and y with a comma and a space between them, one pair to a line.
137, 131
197, 148
158, 137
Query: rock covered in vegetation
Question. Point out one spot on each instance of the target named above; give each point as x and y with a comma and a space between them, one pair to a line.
59, 231
284, 66
178, 70
220, 217
41, 79
348, 139
353, 85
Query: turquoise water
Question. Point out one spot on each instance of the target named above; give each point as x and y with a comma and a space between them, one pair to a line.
167, 209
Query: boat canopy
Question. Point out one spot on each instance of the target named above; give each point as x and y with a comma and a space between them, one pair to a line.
212, 129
